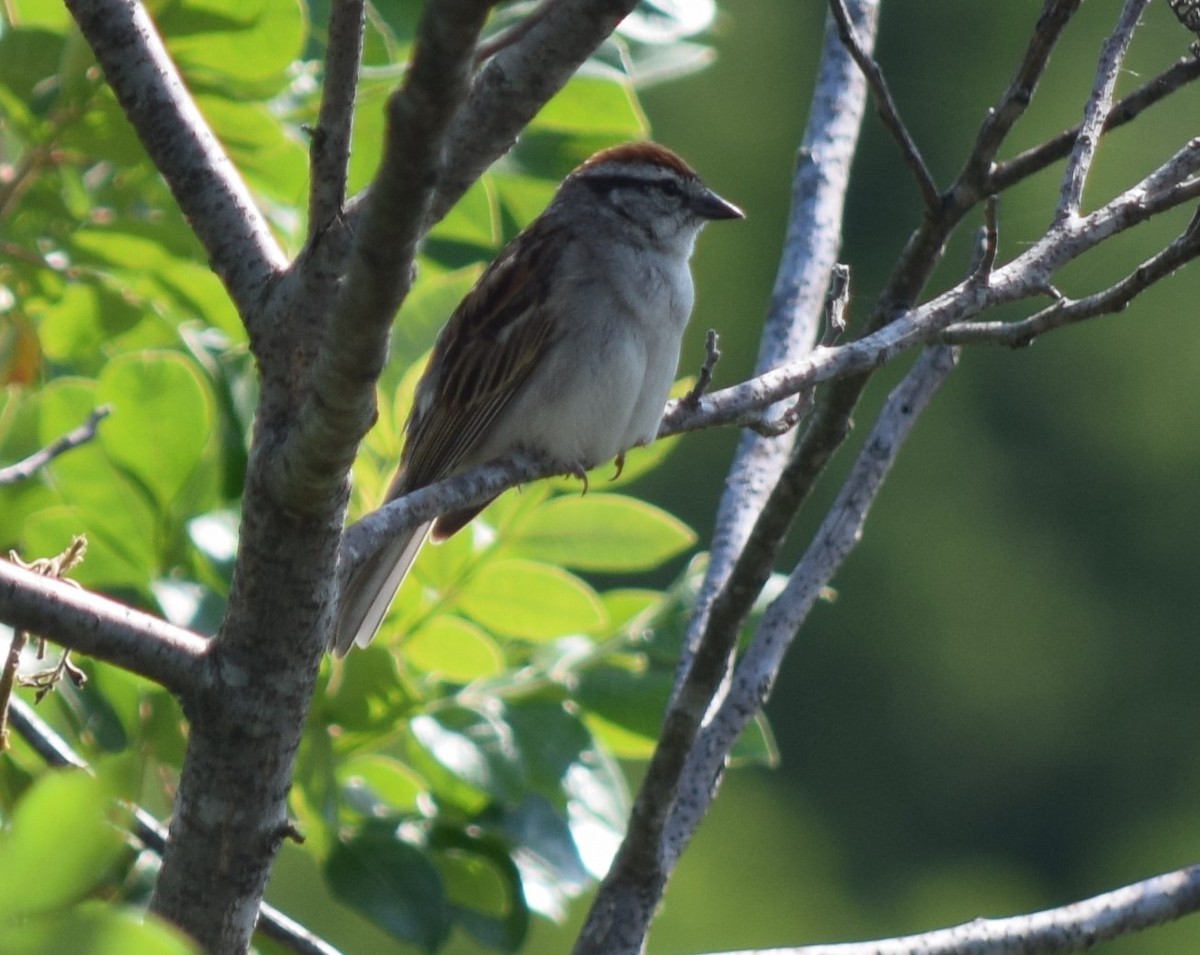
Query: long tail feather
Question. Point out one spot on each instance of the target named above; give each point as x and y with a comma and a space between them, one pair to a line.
368, 592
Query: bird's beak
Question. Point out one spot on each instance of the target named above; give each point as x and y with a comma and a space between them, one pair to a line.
709, 205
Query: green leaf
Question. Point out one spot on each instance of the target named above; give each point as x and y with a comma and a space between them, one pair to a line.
59, 846
601, 532
161, 422
473, 219
100, 500
77, 324
376, 783
628, 696
551, 739
484, 886
756, 746
50, 14
393, 884
244, 41
368, 130
369, 695
467, 754
273, 162
453, 649
597, 100
426, 309
522, 598
96, 929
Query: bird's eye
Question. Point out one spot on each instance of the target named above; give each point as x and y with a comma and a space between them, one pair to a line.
671, 188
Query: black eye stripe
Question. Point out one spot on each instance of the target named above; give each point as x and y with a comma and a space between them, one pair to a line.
615, 180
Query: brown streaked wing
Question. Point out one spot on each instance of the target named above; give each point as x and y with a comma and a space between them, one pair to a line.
492, 343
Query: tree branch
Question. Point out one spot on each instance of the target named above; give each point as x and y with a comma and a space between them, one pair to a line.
24, 470
104, 629
998, 123
1071, 928
329, 152
1011, 171
341, 406
183, 148
1096, 112
838, 535
809, 254
886, 106
1066, 311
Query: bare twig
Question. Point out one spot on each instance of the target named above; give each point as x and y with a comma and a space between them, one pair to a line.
886, 106
1096, 112
1023, 165
838, 535
793, 317
329, 152
506, 38
837, 299
989, 240
56, 567
1070, 928
1067, 312
793, 414
151, 833
204, 182
1055, 16
712, 355
23, 470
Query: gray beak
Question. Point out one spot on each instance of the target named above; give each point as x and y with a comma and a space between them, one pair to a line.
708, 205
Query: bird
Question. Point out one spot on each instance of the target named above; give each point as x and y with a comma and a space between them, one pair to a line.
566, 348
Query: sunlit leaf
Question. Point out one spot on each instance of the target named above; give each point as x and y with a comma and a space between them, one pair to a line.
453, 649
162, 417
601, 532
522, 598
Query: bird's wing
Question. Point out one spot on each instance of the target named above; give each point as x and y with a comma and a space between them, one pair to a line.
487, 351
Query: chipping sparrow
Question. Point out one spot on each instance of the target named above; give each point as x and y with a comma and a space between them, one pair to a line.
566, 347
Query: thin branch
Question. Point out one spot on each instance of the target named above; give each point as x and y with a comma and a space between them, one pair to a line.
792, 323
24, 470
342, 403
102, 628
152, 834
886, 107
1055, 16
329, 152
989, 243
1005, 174
1064, 311
1096, 112
712, 355
839, 533
182, 147
1070, 928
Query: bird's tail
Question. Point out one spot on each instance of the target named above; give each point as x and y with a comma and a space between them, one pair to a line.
369, 590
